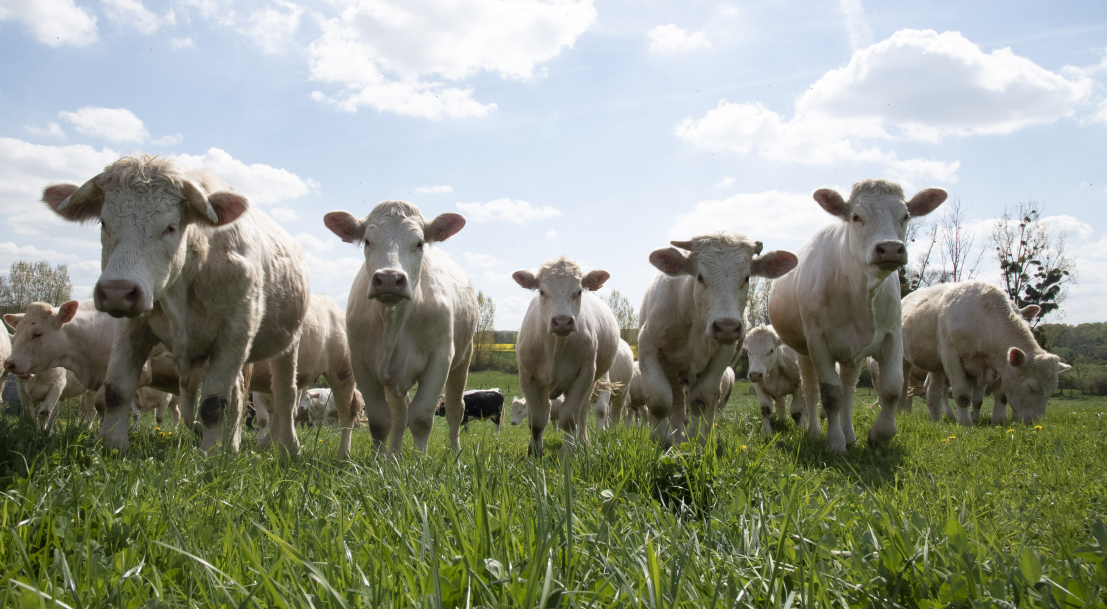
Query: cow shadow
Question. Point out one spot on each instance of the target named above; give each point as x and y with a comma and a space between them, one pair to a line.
868, 465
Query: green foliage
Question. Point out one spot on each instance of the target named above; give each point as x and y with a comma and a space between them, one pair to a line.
1034, 267
29, 282
1007, 517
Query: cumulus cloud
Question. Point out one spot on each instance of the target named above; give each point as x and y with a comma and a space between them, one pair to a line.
480, 260
434, 190
52, 130
770, 215
860, 34
725, 183
284, 214
112, 124
181, 43
401, 56
552, 234
26, 168
915, 86
132, 13
53, 22
263, 184
271, 29
508, 210
168, 140
671, 39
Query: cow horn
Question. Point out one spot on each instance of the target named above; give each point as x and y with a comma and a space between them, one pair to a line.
684, 245
88, 190
757, 247
198, 200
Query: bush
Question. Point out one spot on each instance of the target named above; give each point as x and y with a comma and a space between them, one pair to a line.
1096, 384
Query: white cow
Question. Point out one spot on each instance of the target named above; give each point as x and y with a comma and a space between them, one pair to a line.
158, 402
5, 351
411, 317
692, 325
774, 372
317, 407
973, 335
191, 265
842, 304
519, 410
324, 351
611, 403
41, 394
636, 399
566, 344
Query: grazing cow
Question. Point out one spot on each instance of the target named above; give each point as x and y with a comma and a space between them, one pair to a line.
323, 351
841, 304
692, 324
160, 402
411, 316
480, 405
317, 407
40, 395
973, 335
774, 372
636, 399
611, 403
566, 344
191, 265
519, 410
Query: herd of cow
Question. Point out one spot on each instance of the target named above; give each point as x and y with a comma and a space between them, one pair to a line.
202, 296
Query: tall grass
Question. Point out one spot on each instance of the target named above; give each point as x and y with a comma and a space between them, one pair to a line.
988, 518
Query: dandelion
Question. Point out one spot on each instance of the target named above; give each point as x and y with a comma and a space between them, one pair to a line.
953, 437
1037, 427
1010, 431
945, 440
743, 447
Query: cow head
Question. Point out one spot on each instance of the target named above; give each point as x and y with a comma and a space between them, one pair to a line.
39, 341
518, 410
720, 267
147, 211
877, 216
561, 285
763, 346
1028, 380
394, 236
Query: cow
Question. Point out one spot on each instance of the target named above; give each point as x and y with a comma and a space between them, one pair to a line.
411, 316
148, 399
774, 372
973, 335
324, 351
190, 264
636, 399
566, 344
480, 405
40, 395
5, 351
692, 323
520, 412
842, 304
611, 404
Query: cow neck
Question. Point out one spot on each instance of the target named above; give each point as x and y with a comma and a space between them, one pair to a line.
82, 362
393, 319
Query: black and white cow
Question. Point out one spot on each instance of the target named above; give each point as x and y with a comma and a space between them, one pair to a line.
480, 405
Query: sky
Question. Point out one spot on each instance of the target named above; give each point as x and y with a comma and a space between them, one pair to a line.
595, 130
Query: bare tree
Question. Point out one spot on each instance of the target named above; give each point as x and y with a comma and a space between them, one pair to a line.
921, 274
29, 282
485, 336
1034, 266
757, 303
957, 245
624, 314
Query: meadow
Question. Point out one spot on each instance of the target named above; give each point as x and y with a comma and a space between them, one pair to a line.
943, 517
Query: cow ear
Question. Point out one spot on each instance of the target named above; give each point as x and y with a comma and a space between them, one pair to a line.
774, 264
1030, 312
1016, 357
228, 206
345, 225
525, 279
443, 227
13, 319
76, 204
832, 202
594, 280
68, 311
926, 201
671, 261
1063, 367
757, 247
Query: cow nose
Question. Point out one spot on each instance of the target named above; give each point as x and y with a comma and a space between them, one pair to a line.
388, 285
755, 377
726, 329
118, 297
562, 324
889, 252
9, 365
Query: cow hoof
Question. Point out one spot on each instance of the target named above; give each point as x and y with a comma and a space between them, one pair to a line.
877, 439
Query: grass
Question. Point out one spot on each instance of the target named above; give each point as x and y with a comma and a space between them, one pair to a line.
944, 516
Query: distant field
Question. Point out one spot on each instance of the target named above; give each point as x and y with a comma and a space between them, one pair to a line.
944, 516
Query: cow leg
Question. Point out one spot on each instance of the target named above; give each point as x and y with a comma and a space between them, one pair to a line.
809, 382
977, 402
766, 403
131, 348
678, 415
658, 390
574, 412
397, 408
889, 388
420, 415
282, 387
136, 414
962, 385
262, 419
88, 407
159, 410
830, 390
48, 410
848, 373
798, 408
340, 376
935, 394
538, 412
905, 398
999, 409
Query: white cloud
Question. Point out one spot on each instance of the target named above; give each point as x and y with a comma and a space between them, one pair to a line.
1100, 114
26, 168
771, 215
181, 43
10, 252
725, 183
167, 140
53, 22
1090, 70
396, 55
435, 190
263, 184
52, 130
284, 214
132, 13
312, 243
112, 124
670, 39
916, 85
493, 277
860, 34
480, 260
552, 234
507, 209
271, 29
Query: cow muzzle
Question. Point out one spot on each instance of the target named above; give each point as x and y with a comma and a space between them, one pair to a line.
756, 376
389, 287
563, 325
13, 368
120, 298
889, 255
726, 330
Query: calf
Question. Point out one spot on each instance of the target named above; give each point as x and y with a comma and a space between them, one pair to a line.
692, 325
41, 394
566, 344
5, 351
611, 403
636, 398
520, 412
159, 402
774, 372
841, 304
411, 316
973, 335
480, 405
191, 265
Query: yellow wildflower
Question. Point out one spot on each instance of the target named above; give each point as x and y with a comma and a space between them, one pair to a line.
1037, 427
953, 437
743, 447
1010, 431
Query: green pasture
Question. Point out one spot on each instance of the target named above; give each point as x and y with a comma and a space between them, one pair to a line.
943, 517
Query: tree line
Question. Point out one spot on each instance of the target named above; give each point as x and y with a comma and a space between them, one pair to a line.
29, 282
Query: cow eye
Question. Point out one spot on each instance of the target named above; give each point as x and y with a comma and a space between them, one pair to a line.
577, 295
699, 278
907, 217
747, 280
37, 335
169, 230
856, 218
541, 292
419, 246
770, 351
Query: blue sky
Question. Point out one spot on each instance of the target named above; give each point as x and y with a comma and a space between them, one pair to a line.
598, 130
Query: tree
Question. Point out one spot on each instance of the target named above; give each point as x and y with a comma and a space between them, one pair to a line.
485, 335
1034, 266
29, 282
757, 303
954, 243
624, 314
